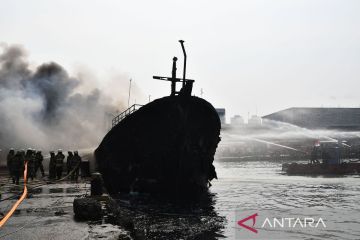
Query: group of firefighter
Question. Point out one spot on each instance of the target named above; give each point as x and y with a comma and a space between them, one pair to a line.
34, 158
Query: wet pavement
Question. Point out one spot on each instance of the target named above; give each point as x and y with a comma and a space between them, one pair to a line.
47, 213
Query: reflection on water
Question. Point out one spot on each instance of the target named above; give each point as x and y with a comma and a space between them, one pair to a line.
158, 217
249, 185
261, 185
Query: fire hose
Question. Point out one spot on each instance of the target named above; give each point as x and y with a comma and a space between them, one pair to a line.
12, 210
23, 195
43, 184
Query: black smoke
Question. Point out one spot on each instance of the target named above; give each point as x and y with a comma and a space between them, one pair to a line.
42, 107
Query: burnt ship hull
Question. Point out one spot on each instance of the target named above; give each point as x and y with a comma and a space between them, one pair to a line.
167, 145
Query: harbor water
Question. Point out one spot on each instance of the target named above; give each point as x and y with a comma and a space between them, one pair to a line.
261, 185
242, 187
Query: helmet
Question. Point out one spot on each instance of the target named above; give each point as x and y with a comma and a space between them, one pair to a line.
60, 150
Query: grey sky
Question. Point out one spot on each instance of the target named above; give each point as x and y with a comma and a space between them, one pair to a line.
246, 55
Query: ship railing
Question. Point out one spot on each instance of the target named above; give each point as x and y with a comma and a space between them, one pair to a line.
125, 113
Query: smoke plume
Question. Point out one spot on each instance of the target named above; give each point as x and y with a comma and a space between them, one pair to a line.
42, 108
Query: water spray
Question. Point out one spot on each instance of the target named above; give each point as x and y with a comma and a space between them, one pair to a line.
276, 144
269, 142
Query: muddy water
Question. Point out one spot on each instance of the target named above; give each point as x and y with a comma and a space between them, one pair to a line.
261, 185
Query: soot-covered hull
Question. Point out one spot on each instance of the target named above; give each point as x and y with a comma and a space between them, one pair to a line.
167, 145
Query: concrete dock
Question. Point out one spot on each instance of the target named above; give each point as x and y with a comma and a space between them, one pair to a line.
47, 212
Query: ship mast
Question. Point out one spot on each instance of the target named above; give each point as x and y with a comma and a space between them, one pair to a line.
173, 79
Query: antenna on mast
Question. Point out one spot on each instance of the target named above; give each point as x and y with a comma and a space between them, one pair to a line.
184, 71
187, 84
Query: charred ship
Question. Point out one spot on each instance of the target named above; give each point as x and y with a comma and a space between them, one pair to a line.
165, 146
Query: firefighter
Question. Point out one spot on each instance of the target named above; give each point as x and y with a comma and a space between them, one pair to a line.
75, 166
38, 163
10, 158
52, 165
18, 166
59, 163
68, 161
30, 159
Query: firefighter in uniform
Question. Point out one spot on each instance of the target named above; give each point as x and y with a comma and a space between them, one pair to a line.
59, 163
52, 166
18, 165
30, 159
68, 161
10, 158
75, 166
38, 163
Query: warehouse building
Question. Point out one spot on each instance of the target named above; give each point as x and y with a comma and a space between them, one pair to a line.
319, 118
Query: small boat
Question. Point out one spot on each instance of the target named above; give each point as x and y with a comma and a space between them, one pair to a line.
344, 168
330, 162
